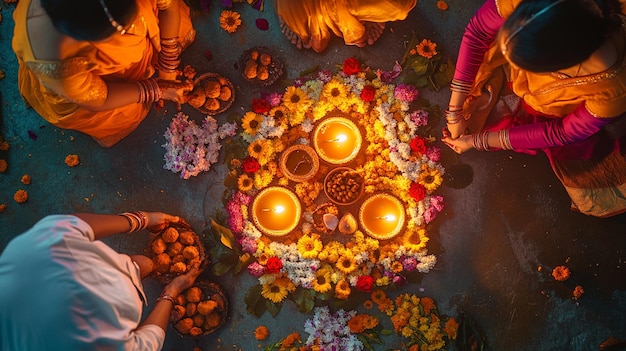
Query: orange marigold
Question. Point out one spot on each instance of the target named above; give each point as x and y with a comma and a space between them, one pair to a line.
3, 165
578, 292
427, 48
442, 5
289, 340
3, 207
25, 179
362, 322
230, 20
20, 196
4, 145
451, 328
261, 332
72, 160
368, 304
428, 304
561, 273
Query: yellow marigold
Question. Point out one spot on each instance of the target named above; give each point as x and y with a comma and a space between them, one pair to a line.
321, 283
334, 90
261, 332
230, 20
396, 267
431, 179
309, 246
72, 160
274, 292
427, 48
442, 5
295, 98
346, 263
561, 273
415, 240
251, 122
245, 183
451, 328
342, 289
20, 196
3, 166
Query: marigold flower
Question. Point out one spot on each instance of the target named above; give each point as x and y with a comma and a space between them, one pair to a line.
368, 304
342, 289
428, 304
20, 196
3, 207
251, 122
3, 165
578, 292
289, 341
561, 273
72, 160
321, 283
261, 332
346, 263
362, 322
427, 48
230, 20
295, 98
309, 246
442, 5
274, 291
245, 183
25, 179
451, 328
4, 145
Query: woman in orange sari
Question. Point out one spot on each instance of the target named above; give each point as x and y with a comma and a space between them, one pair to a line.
565, 62
89, 65
312, 23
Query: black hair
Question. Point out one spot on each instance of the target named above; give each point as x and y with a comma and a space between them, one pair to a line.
87, 19
562, 36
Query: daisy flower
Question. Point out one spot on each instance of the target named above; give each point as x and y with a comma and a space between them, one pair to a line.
251, 122
427, 48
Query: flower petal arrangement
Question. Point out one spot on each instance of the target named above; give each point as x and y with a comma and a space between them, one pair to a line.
395, 159
191, 148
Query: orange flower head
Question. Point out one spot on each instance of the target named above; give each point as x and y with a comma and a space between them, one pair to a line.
261, 332
451, 328
230, 20
3, 166
72, 160
25, 179
442, 5
4, 145
427, 48
20, 196
578, 292
3, 207
561, 273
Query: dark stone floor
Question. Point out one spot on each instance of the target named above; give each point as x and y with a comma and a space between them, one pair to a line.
491, 240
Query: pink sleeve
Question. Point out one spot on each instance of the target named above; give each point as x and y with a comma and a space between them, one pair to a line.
479, 34
577, 126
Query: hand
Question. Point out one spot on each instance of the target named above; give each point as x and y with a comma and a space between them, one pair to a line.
457, 129
157, 221
174, 90
168, 75
182, 282
458, 145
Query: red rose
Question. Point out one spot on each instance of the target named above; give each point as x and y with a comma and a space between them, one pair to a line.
260, 106
365, 283
250, 165
418, 145
417, 191
351, 66
274, 264
368, 93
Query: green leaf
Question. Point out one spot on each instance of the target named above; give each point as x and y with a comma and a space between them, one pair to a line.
272, 307
255, 303
303, 299
421, 82
310, 70
230, 181
386, 332
419, 67
244, 261
226, 235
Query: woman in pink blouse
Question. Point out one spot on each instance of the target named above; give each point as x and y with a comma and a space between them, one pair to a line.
565, 71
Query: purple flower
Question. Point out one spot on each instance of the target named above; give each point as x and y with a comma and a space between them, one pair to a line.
399, 280
248, 244
298, 82
409, 263
406, 92
274, 99
325, 75
433, 154
419, 117
387, 77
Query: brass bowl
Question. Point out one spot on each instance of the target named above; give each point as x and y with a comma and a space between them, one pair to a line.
276, 211
376, 219
350, 179
337, 140
299, 163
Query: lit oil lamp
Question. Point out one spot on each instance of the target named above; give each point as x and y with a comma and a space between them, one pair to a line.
337, 140
299, 163
382, 216
276, 211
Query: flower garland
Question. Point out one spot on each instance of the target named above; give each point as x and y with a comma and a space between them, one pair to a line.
397, 160
191, 148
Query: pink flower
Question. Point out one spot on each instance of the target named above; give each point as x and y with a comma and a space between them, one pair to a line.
256, 269
406, 92
248, 244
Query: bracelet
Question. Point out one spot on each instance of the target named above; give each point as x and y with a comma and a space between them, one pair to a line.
505, 142
456, 116
149, 91
480, 141
169, 55
137, 220
165, 296
460, 86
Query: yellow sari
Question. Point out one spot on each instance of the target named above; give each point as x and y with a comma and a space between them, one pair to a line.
56, 88
315, 21
593, 172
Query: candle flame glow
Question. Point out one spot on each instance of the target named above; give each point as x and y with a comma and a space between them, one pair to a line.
277, 209
339, 139
389, 217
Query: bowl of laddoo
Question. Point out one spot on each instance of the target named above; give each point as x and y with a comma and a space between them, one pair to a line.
200, 309
212, 94
260, 65
174, 250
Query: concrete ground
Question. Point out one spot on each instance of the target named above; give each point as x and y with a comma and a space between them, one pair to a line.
497, 240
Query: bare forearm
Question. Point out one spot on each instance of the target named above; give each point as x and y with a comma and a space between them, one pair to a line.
105, 225
119, 94
169, 20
